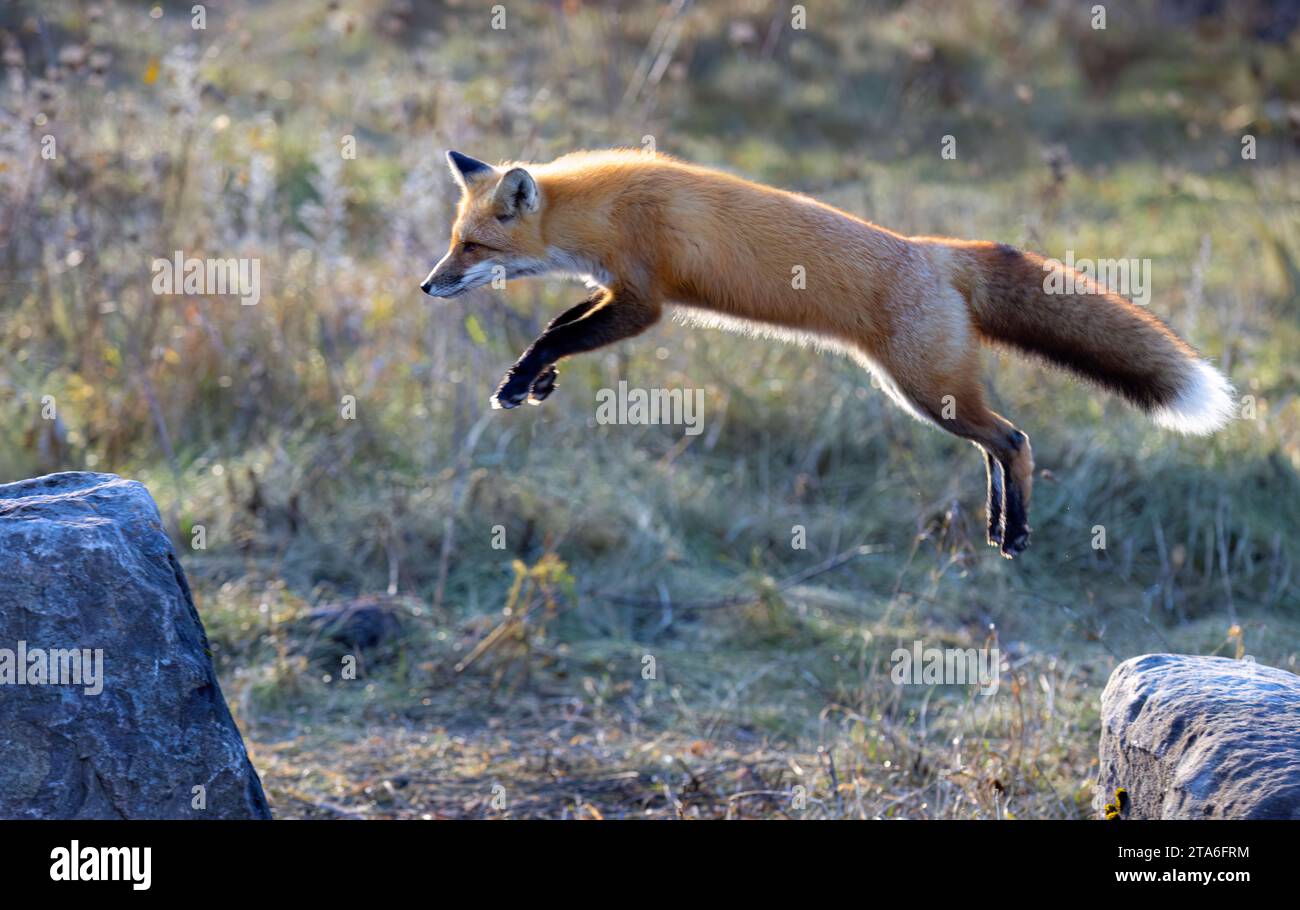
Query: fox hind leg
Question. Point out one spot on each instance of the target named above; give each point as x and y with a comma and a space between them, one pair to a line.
955, 402
1009, 461
1017, 461
995, 497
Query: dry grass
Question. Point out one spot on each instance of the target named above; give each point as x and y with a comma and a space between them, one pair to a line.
816, 729
773, 672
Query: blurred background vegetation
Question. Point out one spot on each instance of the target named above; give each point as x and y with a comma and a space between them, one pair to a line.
509, 682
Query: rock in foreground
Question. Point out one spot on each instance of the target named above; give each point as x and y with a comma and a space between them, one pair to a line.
1200, 737
109, 705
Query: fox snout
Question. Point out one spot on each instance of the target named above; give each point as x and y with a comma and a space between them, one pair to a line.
429, 285
440, 283
434, 289
451, 279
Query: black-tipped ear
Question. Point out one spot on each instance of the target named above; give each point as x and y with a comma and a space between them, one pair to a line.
517, 194
466, 170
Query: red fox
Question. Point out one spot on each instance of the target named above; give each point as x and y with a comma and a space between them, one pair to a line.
646, 230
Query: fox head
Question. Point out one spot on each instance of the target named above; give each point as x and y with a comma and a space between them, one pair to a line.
497, 233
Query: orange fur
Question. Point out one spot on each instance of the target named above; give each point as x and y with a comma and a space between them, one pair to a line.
651, 230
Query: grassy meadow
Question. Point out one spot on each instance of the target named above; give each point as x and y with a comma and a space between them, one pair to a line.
337, 486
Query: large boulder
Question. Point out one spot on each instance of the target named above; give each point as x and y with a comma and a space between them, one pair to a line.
1200, 737
109, 705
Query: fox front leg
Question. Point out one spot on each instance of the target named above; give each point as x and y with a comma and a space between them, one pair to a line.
609, 317
544, 384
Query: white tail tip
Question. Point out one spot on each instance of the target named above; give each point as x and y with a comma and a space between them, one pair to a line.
1204, 403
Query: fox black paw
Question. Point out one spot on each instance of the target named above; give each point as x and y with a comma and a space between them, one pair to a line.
995, 533
1014, 542
512, 392
543, 385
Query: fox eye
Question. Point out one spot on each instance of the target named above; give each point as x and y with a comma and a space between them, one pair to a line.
470, 247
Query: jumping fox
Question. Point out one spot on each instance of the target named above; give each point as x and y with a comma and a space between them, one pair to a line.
646, 230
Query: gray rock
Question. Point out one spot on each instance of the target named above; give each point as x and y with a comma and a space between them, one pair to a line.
87, 566
1200, 737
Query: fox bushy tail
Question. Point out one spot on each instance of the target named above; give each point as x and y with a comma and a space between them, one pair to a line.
1096, 334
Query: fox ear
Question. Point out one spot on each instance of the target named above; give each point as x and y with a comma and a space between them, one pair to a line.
517, 193
466, 170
